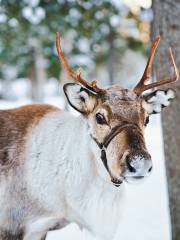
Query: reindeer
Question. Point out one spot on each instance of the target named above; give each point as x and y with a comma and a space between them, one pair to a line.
56, 168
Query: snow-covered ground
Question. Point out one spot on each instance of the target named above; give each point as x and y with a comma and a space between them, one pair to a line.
146, 214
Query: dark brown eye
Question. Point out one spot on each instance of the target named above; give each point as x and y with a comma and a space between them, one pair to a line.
100, 119
146, 121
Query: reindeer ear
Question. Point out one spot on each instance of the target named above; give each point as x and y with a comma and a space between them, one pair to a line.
81, 99
155, 101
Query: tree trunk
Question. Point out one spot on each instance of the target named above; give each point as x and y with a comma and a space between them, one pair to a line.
167, 24
38, 74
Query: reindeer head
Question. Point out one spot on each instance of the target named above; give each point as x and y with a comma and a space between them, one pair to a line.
117, 118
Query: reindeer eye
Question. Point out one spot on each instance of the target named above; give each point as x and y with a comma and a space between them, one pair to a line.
146, 121
100, 119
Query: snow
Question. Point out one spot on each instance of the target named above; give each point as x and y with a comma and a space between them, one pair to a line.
146, 212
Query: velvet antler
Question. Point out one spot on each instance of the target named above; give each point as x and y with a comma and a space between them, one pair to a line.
141, 86
75, 75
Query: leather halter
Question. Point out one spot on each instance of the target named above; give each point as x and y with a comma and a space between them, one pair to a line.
103, 146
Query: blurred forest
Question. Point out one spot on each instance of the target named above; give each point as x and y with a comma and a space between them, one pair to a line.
94, 34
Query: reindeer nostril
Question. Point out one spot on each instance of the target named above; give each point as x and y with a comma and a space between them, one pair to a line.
129, 166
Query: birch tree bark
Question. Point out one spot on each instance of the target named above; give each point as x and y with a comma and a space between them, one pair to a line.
166, 23
38, 75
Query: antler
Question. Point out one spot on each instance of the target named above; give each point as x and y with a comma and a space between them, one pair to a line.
76, 76
141, 86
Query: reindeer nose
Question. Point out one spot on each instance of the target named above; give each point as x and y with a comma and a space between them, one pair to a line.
139, 165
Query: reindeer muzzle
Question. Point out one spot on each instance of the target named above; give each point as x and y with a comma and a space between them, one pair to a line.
104, 145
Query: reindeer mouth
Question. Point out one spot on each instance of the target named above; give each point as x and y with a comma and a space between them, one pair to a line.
131, 180
139, 177
135, 179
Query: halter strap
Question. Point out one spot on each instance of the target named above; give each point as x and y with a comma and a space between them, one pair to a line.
103, 146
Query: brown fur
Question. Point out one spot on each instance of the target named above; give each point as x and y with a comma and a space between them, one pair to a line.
125, 105
14, 126
121, 105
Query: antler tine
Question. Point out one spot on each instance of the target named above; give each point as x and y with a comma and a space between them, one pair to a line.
139, 88
76, 76
165, 81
